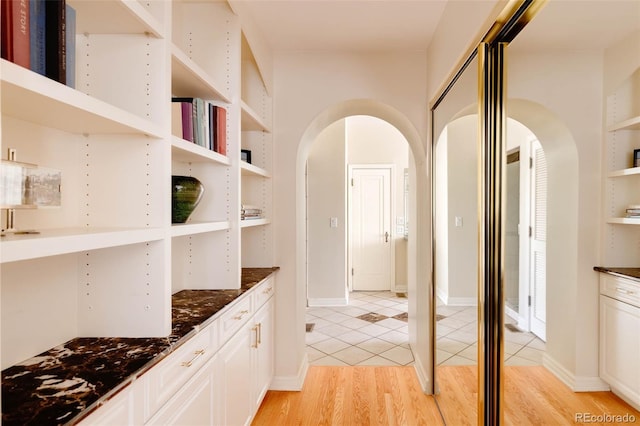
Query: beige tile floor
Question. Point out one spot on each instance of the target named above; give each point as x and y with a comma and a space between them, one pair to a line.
341, 336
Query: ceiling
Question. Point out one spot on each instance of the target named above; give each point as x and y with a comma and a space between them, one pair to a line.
346, 25
384, 25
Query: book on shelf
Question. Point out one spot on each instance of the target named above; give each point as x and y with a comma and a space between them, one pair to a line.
70, 46
221, 130
38, 37
16, 33
633, 211
55, 29
250, 212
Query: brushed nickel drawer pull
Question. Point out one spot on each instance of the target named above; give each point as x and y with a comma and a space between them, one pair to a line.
267, 290
242, 313
197, 354
255, 328
259, 333
624, 290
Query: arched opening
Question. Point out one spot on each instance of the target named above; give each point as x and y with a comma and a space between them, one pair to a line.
417, 243
356, 245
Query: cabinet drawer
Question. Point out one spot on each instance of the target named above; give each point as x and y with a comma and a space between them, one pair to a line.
239, 314
264, 292
621, 289
168, 376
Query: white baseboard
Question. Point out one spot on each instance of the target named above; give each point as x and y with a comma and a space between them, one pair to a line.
575, 383
401, 289
455, 301
291, 383
423, 375
462, 301
316, 302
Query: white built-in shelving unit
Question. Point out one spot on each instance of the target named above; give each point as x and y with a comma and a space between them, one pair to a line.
107, 261
622, 179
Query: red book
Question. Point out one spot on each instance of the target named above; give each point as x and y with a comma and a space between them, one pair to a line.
221, 130
15, 32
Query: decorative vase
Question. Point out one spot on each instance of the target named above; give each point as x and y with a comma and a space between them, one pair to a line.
186, 193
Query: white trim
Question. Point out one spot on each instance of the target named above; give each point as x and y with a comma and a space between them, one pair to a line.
460, 301
326, 301
291, 383
575, 383
423, 376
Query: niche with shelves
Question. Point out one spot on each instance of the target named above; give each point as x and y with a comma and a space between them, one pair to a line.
256, 137
622, 177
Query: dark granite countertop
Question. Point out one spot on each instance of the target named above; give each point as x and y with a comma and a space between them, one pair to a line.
632, 273
65, 383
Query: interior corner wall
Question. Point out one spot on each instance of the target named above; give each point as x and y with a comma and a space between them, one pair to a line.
326, 198
374, 141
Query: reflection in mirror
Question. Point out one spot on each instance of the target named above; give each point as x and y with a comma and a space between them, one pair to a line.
561, 68
455, 168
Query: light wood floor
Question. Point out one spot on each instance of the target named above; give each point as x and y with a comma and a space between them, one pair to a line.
352, 396
388, 396
532, 396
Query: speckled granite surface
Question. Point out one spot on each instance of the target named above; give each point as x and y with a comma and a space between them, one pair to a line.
632, 273
64, 383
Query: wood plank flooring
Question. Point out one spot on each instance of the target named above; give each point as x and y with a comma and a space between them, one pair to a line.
532, 396
388, 396
384, 396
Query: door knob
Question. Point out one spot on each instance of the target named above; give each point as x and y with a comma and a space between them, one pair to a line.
386, 237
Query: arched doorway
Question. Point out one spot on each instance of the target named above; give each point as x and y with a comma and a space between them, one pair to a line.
418, 242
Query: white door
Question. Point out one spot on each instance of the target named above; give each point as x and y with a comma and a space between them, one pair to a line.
371, 245
538, 262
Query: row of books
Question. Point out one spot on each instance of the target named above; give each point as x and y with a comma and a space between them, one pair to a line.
200, 122
250, 212
40, 35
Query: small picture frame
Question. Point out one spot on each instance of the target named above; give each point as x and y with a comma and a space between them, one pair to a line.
636, 158
245, 155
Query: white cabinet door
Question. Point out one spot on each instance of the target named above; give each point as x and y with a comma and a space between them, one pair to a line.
263, 353
234, 379
125, 408
620, 347
193, 404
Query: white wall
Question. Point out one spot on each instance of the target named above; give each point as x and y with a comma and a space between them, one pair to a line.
310, 91
374, 141
462, 181
326, 198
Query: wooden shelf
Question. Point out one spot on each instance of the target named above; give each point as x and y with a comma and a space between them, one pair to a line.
251, 120
188, 152
190, 80
630, 124
52, 242
32, 97
623, 221
251, 170
114, 17
625, 172
254, 222
192, 228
